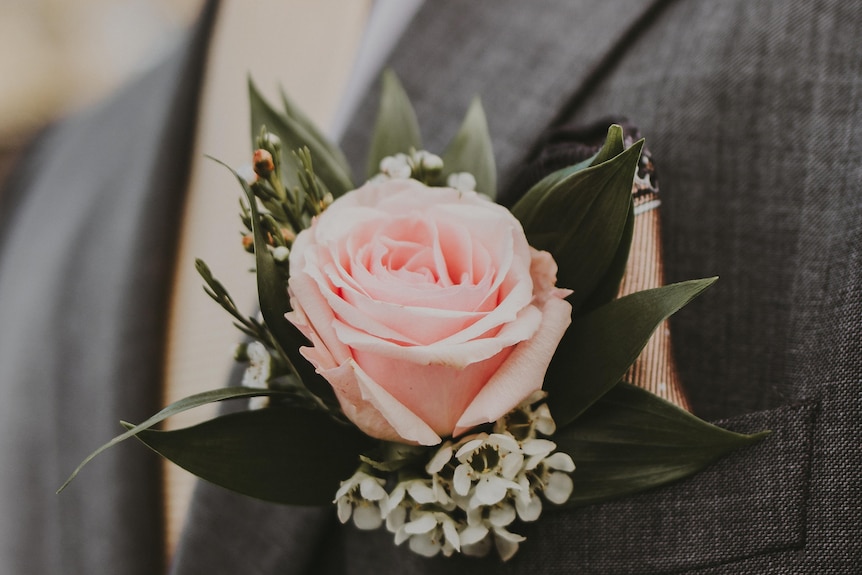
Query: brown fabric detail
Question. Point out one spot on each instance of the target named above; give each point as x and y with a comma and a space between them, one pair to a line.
654, 369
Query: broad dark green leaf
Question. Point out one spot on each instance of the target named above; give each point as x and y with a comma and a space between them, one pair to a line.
608, 287
581, 219
290, 456
275, 302
396, 129
295, 113
294, 136
598, 348
179, 406
471, 151
632, 440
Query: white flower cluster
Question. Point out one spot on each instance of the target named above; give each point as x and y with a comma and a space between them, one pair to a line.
421, 165
418, 164
471, 490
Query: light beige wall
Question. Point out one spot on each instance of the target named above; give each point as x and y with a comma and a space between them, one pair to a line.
56, 55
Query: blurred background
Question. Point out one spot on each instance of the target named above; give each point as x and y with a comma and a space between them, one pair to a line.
59, 55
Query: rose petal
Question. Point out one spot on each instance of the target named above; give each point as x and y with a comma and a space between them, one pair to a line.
405, 423
523, 372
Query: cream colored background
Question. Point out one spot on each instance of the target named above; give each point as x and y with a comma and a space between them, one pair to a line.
59, 55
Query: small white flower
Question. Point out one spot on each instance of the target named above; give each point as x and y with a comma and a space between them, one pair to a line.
525, 420
527, 503
506, 543
396, 167
536, 451
420, 491
440, 458
258, 371
488, 526
280, 253
491, 462
362, 497
429, 533
462, 181
542, 421
553, 477
559, 488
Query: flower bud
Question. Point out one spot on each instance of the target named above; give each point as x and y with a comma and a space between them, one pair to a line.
428, 162
326, 201
248, 243
263, 163
462, 181
280, 254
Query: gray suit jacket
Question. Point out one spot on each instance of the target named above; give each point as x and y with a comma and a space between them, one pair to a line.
754, 112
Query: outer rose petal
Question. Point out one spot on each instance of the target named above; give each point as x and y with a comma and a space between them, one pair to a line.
373, 409
523, 372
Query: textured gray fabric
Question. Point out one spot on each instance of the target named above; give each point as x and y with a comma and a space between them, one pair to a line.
85, 266
753, 112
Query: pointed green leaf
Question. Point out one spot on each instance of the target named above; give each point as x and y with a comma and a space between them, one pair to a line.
275, 302
471, 151
179, 406
544, 185
396, 129
294, 136
614, 146
313, 133
598, 348
290, 456
632, 440
581, 219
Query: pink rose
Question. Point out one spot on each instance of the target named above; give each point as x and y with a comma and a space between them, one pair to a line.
427, 310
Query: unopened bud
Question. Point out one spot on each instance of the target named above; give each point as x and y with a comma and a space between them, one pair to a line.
263, 164
326, 201
272, 139
428, 162
280, 253
248, 243
461, 181
288, 235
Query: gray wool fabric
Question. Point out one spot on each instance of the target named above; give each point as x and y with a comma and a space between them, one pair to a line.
753, 112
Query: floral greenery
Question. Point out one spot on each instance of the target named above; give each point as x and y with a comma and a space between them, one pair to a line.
614, 438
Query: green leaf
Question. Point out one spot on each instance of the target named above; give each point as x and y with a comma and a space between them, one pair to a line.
279, 454
180, 406
614, 146
471, 151
396, 129
314, 135
609, 286
294, 136
275, 302
632, 440
581, 220
598, 348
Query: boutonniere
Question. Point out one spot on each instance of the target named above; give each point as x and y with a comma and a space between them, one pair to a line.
433, 363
